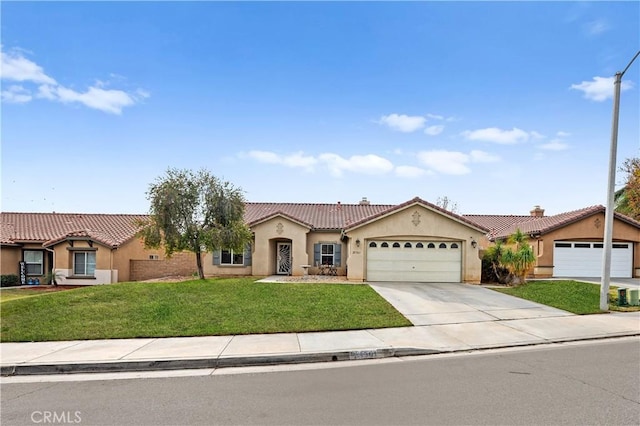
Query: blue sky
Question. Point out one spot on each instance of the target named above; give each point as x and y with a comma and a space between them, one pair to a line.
498, 106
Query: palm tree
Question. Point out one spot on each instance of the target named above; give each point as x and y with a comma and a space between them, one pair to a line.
494, 255
520, 258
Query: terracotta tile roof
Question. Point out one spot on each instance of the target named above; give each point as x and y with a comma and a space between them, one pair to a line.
108, 229
316, 216
418, 200
503, 226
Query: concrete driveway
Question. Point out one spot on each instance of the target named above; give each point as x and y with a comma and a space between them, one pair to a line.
454, 303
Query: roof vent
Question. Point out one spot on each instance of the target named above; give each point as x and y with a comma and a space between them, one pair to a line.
364, 202
537, 211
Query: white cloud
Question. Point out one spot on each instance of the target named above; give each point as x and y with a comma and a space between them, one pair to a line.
369, 164
600, 89
446, 162
483, 157
454, 162
439, 117
410, 171
403, 123
365, 164
295, 160
562, 134
554, 145
596, 27
15, 67
496, 135
435, 116
537, 135
434, 130
18, 68
16, 94
111, 101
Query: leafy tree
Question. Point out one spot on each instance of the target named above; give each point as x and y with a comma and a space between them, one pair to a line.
627, 199
194, 212
511, 263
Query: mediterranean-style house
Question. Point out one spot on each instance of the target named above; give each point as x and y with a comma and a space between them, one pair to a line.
570, 244
415, 241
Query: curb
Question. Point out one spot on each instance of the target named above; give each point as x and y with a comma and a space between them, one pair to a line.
264, 360
225, 362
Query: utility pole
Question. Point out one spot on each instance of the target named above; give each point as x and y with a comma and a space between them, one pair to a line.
608, 219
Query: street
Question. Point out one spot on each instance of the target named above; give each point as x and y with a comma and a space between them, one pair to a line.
580, 383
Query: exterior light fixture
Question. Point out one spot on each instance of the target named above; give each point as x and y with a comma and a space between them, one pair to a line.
358, 242
474, 243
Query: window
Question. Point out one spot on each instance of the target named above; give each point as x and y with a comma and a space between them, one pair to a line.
84, 263
35, 262
442, 245
419, 245
228, 257
619, 246
384, 245
598, 245
372, 244
154, 257
326, 256
454, 246
563, 245
407, 245
582, 245
431, 245
396, 245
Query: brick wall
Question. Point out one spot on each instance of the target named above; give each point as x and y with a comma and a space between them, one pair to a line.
179, 264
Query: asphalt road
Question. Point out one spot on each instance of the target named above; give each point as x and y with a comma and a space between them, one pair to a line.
577, 384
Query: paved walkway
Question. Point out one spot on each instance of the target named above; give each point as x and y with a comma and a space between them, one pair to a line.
466, 324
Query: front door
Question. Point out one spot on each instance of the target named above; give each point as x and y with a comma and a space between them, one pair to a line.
283, 260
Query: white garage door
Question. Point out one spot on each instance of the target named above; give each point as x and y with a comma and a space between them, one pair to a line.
584, 259
414, 261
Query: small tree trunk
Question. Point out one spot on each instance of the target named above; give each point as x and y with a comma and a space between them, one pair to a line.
199, 263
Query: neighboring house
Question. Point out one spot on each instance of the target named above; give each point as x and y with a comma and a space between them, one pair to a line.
570, 244
82, 248
415, 241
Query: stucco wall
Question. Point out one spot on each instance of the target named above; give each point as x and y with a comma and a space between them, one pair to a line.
63, 260
590, 228
327, 238
9, 258
414, 222
279, 229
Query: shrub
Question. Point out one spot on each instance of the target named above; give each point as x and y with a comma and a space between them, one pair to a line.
9, 280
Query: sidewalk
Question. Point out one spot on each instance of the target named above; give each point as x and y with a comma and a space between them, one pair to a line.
290, 348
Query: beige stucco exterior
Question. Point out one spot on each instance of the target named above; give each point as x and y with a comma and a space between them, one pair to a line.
305, 231
9, 259
588, 229
267, 235
414, 222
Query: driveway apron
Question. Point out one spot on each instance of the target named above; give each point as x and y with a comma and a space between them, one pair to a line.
455, 303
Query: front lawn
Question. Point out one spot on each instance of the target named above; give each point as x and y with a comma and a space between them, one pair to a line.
572, 296
194, 308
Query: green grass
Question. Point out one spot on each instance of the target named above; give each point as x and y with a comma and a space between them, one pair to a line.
572, 296
7, 294
194, 308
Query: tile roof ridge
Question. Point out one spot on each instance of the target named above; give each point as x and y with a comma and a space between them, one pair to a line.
78, 214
